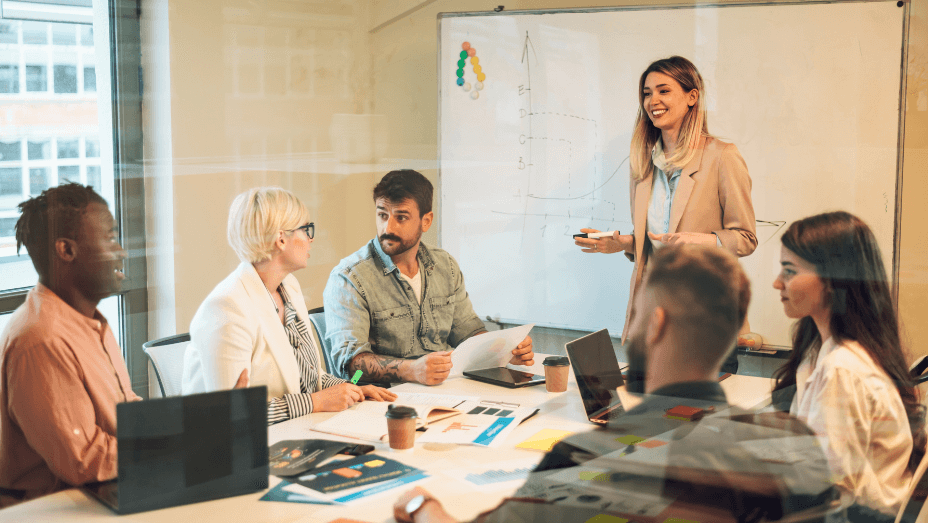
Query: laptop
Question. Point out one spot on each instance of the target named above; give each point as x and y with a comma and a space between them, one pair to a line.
598, 376
187, 449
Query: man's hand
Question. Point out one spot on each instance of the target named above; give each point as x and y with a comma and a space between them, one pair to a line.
339, 397
242, 382
373, 392
432, 368
523, 353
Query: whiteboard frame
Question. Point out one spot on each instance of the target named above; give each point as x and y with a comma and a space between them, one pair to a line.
900, 140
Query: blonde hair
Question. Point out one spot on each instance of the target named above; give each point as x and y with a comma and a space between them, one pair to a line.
694, 125
255, 218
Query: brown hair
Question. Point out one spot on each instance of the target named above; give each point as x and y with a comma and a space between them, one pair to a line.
694, 127
707, 294
404, 184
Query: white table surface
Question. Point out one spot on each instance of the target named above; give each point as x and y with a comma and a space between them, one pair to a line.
563, 411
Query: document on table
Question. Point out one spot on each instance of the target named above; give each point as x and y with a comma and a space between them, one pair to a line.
482, 429
366, 420
488, 350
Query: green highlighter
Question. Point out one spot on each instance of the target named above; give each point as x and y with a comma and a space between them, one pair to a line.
356, 377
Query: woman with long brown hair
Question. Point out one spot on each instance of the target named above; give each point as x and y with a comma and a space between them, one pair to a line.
686, 185
848, 368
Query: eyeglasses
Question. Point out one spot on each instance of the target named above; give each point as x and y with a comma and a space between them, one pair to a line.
309, 229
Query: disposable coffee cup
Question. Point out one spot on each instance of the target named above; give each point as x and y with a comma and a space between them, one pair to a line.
556, 370
401, 427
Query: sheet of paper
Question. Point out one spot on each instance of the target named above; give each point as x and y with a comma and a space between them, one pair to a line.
544, 440
484, 351
495, 476
487, 430
354, 424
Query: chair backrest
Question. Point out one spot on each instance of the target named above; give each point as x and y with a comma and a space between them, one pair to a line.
317, 318
166, 356
915, 499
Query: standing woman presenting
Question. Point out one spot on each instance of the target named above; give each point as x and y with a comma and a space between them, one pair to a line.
686, 186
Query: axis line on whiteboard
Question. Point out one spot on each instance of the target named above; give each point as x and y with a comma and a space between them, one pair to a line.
611, 176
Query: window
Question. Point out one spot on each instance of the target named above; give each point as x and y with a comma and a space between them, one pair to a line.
86, 35
10, 152
11, 182
69, 173
68, 148
36, 79
9, 78
9, 32
39, 150
65, 79
38, 180
63, 34
35, 33
90, 80
7, 226
93, 177
92, 148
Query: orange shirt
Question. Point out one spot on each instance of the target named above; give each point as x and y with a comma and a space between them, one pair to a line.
61, 376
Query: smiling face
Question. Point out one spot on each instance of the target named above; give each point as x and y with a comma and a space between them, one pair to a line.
399, 226
98, 260
802, 291
665, 101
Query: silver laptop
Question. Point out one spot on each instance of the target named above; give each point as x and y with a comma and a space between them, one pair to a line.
598, 376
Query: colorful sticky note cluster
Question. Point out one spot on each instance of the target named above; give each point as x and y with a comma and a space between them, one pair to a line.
469, 52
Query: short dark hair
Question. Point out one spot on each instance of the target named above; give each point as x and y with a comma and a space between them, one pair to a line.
56, 213
403, 184
708, 290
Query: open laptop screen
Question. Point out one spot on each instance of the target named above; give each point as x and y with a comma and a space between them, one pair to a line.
597, 370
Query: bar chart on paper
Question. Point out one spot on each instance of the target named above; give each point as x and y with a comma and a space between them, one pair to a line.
498, 475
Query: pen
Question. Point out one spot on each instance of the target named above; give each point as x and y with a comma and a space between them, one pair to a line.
356, 377
595, 234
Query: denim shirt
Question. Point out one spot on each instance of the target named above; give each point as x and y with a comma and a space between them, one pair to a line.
370, 308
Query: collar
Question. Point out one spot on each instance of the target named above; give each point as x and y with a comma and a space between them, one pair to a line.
694, 390
386, 263
97, 323
660, 160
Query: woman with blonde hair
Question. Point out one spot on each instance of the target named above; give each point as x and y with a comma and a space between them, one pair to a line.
686, 185
253, 327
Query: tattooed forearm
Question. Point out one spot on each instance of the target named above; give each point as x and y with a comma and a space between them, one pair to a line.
379, 368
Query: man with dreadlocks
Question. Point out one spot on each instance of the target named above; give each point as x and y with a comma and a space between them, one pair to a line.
61, 370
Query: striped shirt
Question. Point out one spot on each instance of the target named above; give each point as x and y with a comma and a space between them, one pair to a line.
291, 406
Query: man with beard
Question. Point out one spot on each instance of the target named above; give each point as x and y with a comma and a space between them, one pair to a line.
395, 309
62, 370
724, 463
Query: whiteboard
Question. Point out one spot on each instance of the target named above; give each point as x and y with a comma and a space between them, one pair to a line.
809, 93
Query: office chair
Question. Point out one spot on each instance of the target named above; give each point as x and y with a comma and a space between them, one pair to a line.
166, 356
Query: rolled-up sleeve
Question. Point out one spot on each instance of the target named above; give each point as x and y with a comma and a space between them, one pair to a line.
466, 323
739, 233
347, 319
48, 401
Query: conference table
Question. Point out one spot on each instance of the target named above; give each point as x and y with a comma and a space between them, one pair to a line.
443, 462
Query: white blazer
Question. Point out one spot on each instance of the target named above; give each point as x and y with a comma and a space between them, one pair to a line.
237, 328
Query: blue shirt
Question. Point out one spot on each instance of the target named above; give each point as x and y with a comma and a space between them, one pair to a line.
662, 191
369, 307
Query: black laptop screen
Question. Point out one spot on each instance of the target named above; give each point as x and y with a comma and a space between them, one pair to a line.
597, 370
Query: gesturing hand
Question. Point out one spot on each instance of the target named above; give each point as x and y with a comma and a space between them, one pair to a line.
242, 382
336, 398
432, 368
616, 243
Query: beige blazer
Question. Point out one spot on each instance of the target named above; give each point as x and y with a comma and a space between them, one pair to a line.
237, 328
713, 196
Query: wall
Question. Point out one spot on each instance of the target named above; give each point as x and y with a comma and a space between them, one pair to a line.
405, 72
243, 93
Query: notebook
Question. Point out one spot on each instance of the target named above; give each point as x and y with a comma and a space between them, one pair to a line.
598, 375
187, 449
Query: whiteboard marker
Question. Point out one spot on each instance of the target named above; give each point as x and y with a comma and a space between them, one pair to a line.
595, 234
